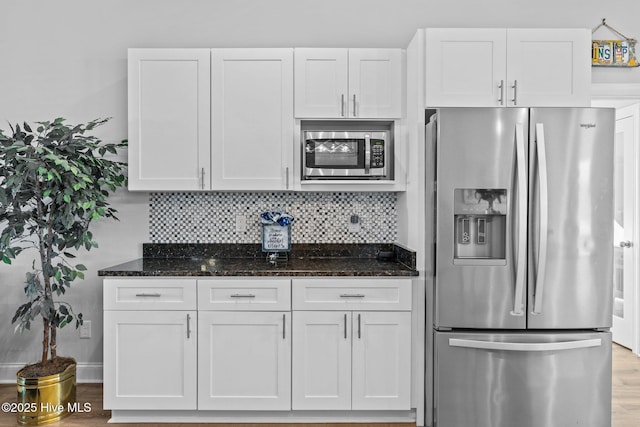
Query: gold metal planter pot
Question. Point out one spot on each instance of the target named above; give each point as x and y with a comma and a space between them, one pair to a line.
47, 399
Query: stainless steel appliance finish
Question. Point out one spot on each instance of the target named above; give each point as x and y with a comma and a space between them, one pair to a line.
522, 305
523, 380
347, 155
555, 168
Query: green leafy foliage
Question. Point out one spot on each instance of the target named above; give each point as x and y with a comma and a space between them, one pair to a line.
54, 182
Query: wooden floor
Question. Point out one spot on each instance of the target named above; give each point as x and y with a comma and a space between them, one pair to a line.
625, 404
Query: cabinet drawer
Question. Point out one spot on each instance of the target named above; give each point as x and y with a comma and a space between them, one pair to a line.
245, 294
150, 294
351, 294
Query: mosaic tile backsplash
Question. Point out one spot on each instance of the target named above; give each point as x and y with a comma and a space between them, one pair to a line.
318, 217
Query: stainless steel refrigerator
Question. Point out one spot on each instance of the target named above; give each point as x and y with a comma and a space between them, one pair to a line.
523, 266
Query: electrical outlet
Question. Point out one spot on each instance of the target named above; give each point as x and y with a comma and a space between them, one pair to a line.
354, 224
241, 223
85, 329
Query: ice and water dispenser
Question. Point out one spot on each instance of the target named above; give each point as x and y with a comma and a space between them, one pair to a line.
480, 224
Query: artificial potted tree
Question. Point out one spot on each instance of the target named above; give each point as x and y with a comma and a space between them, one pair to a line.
54, 181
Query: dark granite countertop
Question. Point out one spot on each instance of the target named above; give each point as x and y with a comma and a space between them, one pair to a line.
248, 260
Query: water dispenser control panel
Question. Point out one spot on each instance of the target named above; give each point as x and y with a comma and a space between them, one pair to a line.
480, 225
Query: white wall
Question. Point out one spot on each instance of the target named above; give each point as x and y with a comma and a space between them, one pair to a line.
68, 58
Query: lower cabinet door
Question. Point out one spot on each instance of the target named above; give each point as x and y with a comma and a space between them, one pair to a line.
321, 360
244, 360
150, 359
381, 377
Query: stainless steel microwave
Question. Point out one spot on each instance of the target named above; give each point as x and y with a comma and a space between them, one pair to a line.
346, 155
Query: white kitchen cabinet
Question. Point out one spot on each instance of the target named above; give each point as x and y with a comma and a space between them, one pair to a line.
348, 83
244, 360
351, 343
491, 67
381, 367
251, 119
169, 119
210, 119
179, 347
321, 377
150, 359
351, 360
150, 348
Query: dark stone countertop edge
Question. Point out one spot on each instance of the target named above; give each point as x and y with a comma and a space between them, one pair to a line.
398, 261
266, 273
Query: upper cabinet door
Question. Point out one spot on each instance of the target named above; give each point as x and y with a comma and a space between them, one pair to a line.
549, 67
486, 67
375, 83
252, 119
465, 67
169, 115
321, 82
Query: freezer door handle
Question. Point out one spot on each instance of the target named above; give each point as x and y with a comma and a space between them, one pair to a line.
544, 218
526, 347
518, 309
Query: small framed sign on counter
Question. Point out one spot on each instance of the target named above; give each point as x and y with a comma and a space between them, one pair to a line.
276, 238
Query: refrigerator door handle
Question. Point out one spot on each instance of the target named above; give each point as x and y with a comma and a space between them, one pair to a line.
518, 309
544, 218
526, 347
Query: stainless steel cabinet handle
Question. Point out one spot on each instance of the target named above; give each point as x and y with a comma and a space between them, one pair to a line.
351, 295
284, 326
522, 222
515, 92
345, 326
501, 87
519, 346
242, 296
359, 327
149, 295
342, 105
188, 326
544, 218
202, 178
626, 244
354, 105
286, 177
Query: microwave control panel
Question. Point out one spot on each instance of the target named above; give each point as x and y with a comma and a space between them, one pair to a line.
377, 154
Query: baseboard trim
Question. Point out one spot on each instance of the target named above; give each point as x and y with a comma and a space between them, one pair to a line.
85, 372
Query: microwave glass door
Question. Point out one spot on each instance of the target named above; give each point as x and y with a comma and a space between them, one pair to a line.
335, 153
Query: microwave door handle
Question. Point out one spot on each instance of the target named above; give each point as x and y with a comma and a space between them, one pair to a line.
367, 153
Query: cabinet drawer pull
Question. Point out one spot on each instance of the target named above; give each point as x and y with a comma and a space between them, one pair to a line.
149, 295
242, 296
351, 295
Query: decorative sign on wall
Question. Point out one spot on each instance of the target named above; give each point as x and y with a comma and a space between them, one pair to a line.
613, 53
